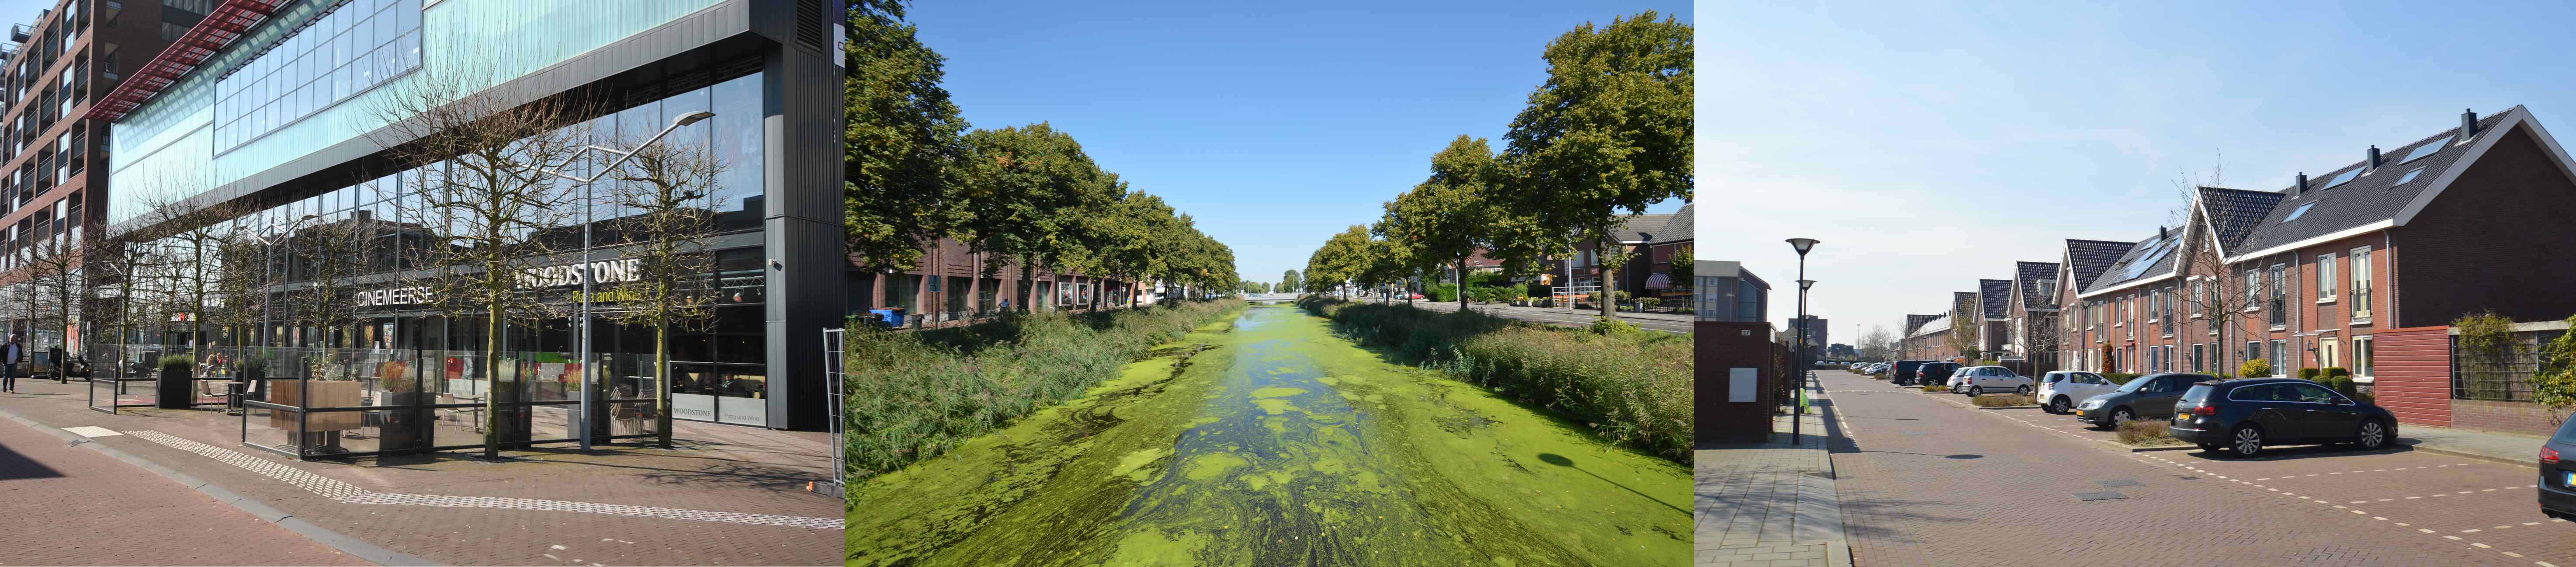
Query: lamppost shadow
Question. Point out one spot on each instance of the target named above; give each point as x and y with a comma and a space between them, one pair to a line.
1560, 460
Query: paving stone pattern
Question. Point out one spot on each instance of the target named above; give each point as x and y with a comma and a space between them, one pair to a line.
1768, 504
61, 504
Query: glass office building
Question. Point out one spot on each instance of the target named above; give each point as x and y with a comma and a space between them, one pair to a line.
281, 127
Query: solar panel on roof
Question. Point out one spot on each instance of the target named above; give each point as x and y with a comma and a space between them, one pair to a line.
2346, 177
2410, 176
2426, 150
2303, 209
2148, 258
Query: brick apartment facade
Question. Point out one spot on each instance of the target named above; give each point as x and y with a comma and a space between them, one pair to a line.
949, 288
1653, 240
2314, 274
52, 166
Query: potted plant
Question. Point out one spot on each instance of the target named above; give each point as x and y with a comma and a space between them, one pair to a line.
176, 384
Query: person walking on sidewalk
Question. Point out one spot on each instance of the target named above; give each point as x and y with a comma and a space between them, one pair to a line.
10, 358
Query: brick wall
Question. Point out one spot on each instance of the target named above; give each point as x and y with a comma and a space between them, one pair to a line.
2488, 242
1717, 347
2504, 417
2415, 375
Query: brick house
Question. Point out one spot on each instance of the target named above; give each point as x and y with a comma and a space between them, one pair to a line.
1905, 346
2030, 318
1994, 324
1653, 240
2082, 262
1930, 341
2312, 275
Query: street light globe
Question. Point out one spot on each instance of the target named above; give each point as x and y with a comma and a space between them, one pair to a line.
1804, 284
1802, 244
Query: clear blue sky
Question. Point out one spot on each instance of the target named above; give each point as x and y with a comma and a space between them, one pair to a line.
1930, 145
1275, 125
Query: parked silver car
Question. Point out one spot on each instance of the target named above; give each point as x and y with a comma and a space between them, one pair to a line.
1977, 380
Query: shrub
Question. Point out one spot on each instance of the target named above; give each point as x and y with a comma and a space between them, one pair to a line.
2256, 367
914, 395
1605, 326
1989, 363
1629, 387
1651, 302
1935, 388
2119, 377
179, 362
2146, 432
2337, 371
2001, 401
2309, 374
2340, 384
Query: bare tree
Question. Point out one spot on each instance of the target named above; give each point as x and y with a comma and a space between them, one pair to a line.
327, 257
1964, 339
483, 200
51, 260
670, 285
1878, 343
193, 233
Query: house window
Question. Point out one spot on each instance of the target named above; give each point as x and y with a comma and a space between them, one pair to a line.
2253, 350
1748, 301
2280, 357
2253, 286
2360, 307
2200, 293
2363, 356
2279, 306
2327, 355
2196, 362
2325, 277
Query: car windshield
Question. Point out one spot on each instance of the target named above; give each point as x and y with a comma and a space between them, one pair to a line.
2198, 392
2566, 433
2135, 384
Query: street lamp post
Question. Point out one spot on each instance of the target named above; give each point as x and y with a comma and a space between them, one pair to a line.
1803, 245
661, 376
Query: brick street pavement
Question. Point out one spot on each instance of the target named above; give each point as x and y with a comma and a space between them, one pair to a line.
702, 503
72, 506
1768, 504
1924, 481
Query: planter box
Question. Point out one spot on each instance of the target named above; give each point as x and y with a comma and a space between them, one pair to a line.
335, 394
175, 389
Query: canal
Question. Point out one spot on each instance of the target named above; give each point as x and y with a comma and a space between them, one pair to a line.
1266, 440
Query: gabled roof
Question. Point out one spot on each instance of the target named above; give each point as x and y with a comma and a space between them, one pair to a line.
1679, 227
2089, 258
1963, 303
2372, 197
2029, 274
1639, 228
1916, 321
2147, 259
2235, 213
1994, 297
1940, 324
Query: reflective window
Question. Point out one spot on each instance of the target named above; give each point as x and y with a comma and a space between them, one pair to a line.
358, 45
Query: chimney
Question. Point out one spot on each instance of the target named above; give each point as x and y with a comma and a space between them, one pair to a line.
2160, 232
2468, 124
2374, 159
2302, 187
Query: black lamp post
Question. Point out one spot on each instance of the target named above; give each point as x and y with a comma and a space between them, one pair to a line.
1803, 245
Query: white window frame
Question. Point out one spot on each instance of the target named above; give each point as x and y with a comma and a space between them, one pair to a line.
2360, 309
2364, 349
2326, 284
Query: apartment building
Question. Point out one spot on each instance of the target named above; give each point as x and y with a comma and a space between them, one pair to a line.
51, 177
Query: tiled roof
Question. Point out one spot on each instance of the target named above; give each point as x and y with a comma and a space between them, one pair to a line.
2091, 257
1994, 297
2033, 296
1937, 324
1963, 302
2149, 258
1913, 322
2374, 196
2235, 213
1679, 227
1640, 227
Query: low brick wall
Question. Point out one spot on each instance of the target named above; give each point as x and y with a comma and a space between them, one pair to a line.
1721, 346
2504, 417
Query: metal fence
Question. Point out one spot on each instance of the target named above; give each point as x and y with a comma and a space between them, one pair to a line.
2504, 376
834, 393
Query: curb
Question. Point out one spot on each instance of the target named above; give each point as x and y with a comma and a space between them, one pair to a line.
352, 546
2419, 446
2007, 407
2151, 449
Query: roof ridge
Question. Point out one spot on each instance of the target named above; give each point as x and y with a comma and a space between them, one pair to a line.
2483, 121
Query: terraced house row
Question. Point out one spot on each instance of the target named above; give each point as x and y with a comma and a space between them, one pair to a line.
2363, 266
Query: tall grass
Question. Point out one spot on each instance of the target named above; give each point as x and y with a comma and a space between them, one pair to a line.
1629, 387
915, 395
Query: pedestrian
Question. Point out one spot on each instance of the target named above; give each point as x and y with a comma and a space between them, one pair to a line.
10, 357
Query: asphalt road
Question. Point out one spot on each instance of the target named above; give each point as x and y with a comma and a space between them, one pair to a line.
1925, 479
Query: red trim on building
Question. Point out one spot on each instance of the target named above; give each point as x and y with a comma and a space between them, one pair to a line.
2414, 374
227, 23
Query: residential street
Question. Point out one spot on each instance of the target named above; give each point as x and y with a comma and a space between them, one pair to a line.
1925, 479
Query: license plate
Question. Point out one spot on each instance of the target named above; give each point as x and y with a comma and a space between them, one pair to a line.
2570, 477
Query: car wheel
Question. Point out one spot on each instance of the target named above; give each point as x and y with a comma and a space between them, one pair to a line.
2119, 416
1974, 391
2024, 390
2058, 406
2372, 435
2246, 441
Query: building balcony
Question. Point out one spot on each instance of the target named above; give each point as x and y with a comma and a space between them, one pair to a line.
20, 32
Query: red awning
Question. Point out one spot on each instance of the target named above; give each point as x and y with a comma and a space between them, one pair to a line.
1659, 280
228, 22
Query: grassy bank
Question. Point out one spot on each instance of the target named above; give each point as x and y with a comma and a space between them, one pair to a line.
914, 395
1629, 387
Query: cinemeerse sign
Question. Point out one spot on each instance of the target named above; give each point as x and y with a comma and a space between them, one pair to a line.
606, 271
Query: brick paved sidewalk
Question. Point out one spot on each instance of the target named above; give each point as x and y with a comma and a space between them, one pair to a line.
726, 496
2500, 448
73, 506
1770, 504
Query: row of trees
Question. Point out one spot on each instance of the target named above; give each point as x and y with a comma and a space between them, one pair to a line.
914, 173
1607, 135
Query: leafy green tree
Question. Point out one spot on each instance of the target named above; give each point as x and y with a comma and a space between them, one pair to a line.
1681, 268
1340, 260
902, 139
1026, 189
1446, 218
1609, 130
2555, 385
1288, 282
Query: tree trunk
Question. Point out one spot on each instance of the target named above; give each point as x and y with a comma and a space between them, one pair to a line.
1609, 273
662, 384
492, 382
1462, 284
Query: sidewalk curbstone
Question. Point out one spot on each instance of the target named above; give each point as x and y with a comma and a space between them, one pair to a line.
2419, 445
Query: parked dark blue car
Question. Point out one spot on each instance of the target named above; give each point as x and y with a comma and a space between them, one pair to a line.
2245, 415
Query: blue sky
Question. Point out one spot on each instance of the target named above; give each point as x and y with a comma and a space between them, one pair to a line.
1928, 145
1275, 125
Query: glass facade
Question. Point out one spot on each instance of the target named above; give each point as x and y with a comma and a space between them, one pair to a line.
356, 46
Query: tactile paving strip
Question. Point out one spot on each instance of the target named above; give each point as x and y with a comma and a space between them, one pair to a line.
345, 492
